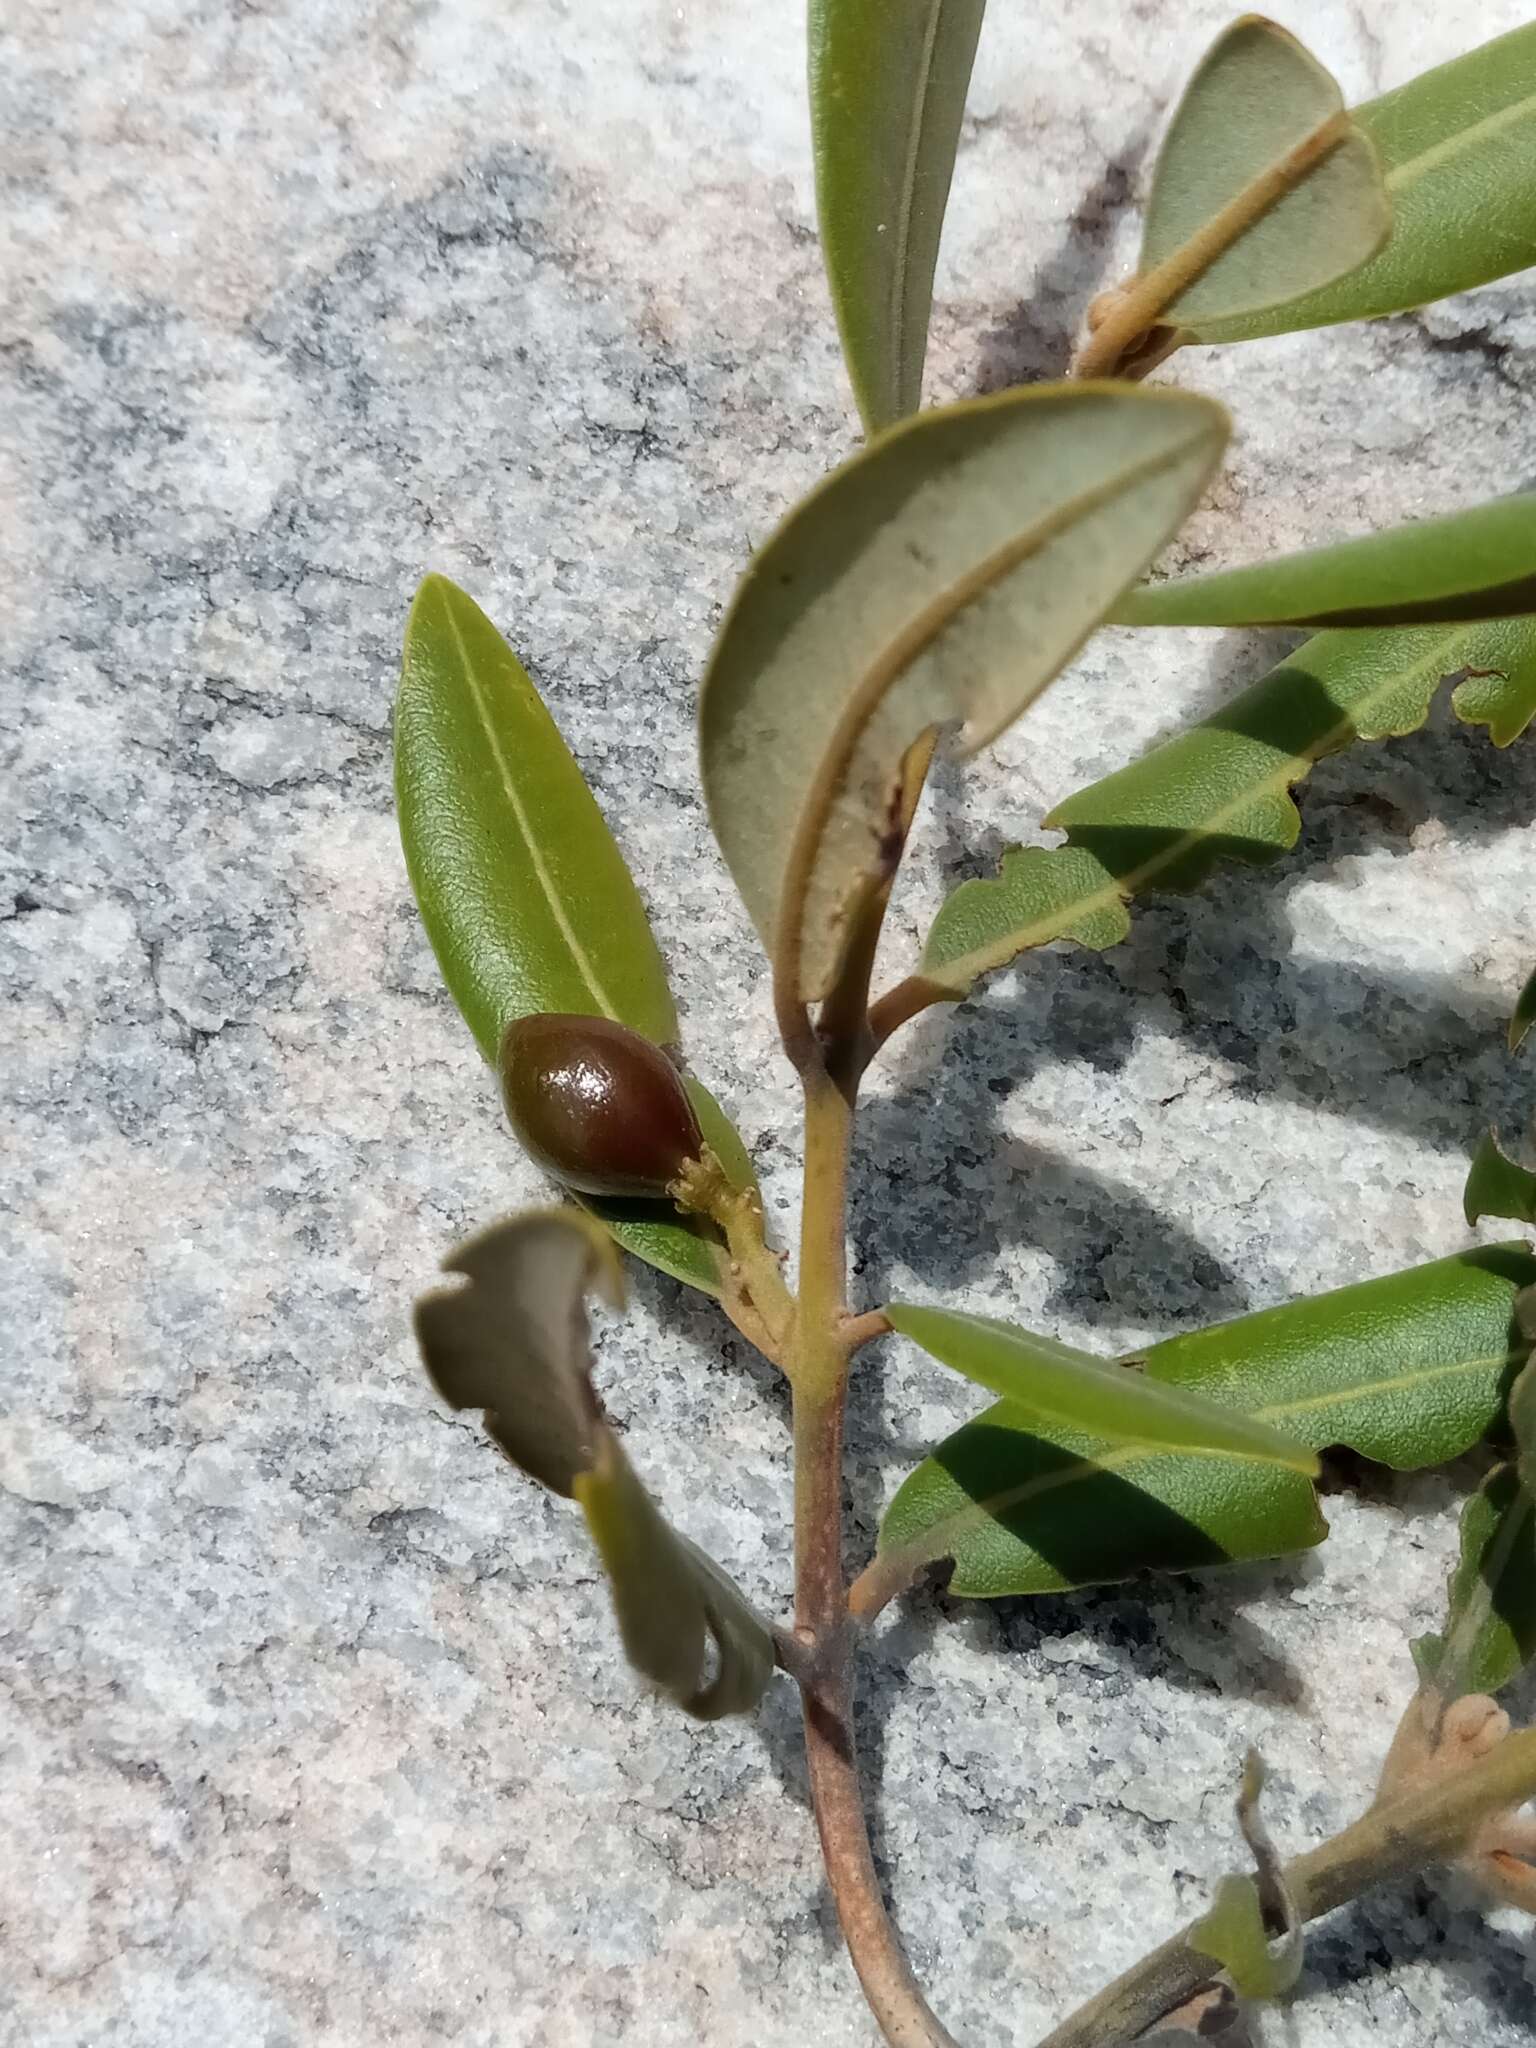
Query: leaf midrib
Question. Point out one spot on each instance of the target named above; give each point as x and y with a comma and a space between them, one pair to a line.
897, 311
536, 860
1415, 168
961, 972
907, 646
998, 1504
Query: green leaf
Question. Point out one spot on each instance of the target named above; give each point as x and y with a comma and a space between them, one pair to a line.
1219, 791
1490, 1628
1497, 1186
1235, 1930
1233, 1934
1249, 126
1478, 564
888, 82
1112, 1399
513, 1341
1458, 151
1502, 695
1408, 1370
525, 896
1524, 1015
946, 573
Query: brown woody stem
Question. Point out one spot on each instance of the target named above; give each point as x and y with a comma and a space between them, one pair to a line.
818, 1370
1400, 1836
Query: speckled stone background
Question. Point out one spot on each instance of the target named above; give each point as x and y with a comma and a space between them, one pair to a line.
314, 1734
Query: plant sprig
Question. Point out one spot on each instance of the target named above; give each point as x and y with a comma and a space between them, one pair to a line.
936, 583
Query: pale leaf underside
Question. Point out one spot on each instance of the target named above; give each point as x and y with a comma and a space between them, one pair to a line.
1260, 136
944, 576
1457, 146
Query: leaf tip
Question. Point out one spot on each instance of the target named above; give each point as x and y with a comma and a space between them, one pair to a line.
432, 589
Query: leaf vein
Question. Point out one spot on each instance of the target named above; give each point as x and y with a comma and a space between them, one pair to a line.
1414, 168
536, 859
898, 311
938, 1540
959, 973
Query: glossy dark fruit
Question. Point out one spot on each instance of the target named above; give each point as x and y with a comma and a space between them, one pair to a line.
597, 1105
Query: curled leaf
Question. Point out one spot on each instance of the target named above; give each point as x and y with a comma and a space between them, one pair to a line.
944, 575
1254, 1928
672, 1600
513, 1341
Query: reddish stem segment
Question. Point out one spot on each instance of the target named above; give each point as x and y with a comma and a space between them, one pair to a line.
892, 1991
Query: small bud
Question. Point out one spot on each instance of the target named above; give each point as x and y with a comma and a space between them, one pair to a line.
596, 1105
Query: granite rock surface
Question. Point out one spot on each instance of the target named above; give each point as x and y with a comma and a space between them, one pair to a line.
313, 1733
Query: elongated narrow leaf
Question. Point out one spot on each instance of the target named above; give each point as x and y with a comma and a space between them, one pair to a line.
945, 574
1116, 1401
1479, 564
1524, 1014
1408, 1370
888, 83
525, 896
1261, 137
1457, 148
513, 1342
1490, 1626
1220, 791
1497, 1185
